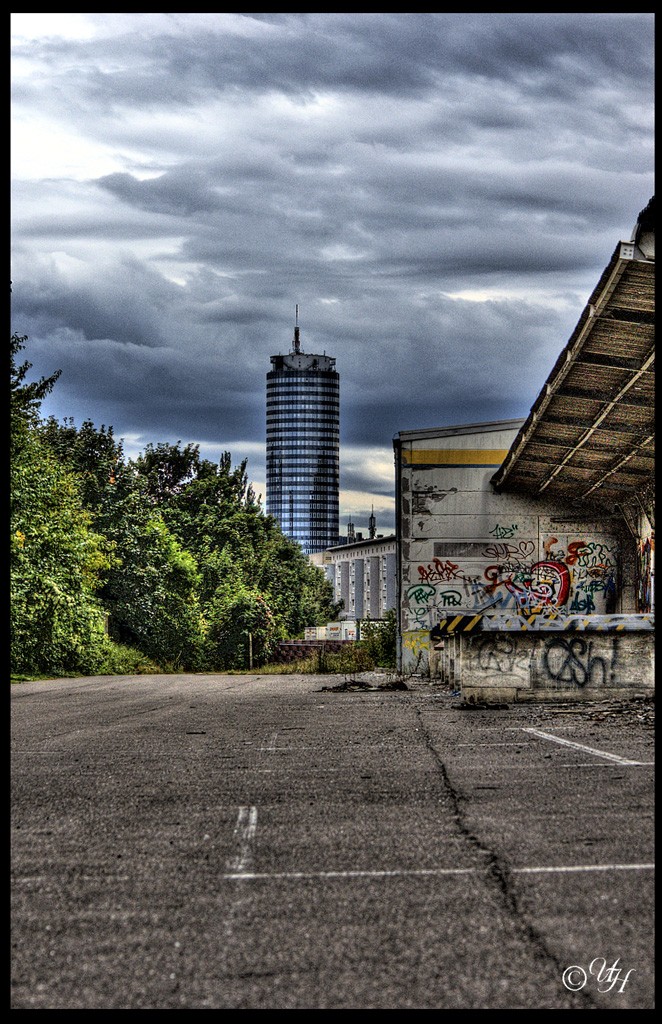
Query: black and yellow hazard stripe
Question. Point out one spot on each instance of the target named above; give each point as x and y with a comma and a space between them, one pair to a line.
456, 624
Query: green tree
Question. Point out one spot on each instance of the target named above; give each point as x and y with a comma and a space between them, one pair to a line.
151, 590
57, 560
298, 591
242, 631
26, 396
213, 511
152, 593
166, 470
93, 454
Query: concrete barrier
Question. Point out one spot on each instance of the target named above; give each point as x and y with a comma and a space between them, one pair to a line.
591, 663
508, 657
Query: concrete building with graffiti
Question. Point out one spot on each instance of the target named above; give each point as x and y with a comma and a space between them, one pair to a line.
525, 548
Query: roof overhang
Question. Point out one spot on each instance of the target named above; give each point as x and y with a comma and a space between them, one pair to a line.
589, 438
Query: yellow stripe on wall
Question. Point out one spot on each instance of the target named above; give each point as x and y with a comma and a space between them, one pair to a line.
455, 456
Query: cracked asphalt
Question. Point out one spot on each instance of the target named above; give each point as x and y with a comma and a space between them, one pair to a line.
305, 842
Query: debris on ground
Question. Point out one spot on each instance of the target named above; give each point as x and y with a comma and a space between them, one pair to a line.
365, 684
480, 706
642, 708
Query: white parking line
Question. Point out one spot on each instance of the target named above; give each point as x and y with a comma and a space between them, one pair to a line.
352, 874
560, 869
501, 743
583, 867
244, 833
270, 744
594, 764
580, 746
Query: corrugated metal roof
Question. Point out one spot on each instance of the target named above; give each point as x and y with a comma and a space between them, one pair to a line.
590, 433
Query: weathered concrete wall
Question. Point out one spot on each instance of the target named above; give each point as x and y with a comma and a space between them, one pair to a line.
547, 665
468, 554
446, 501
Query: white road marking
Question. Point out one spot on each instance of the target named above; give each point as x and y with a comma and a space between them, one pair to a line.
580, 746
352, 874
587, 764
271, 744
583, 867
561, 869
244, 833
508, 743
265, 875
523, 766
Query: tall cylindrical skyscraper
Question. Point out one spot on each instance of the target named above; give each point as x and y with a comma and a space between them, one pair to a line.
303, 444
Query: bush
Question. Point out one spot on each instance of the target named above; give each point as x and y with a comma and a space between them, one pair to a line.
241, 629
378, 639
121, 660
351, 659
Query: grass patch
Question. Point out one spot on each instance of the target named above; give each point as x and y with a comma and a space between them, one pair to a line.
349, 660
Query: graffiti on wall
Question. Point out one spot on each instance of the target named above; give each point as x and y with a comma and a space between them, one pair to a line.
556, 622
543, 585
571, 660
561, 662
416, 649
500, 531
416, 643
578, 577
501, 656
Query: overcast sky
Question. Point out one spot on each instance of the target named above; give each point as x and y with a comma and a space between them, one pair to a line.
439, 193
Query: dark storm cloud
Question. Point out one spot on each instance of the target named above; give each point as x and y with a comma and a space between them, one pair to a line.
385, 54
180, 193
438, 192
111, 306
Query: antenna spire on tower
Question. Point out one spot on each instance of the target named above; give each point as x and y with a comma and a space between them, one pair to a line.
296, 331
372, 523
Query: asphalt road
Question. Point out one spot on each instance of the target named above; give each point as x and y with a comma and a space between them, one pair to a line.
260, 842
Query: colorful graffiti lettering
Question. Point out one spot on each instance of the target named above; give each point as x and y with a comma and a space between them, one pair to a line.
417, 643
577, 576
547, 584
575, 549
438, 571
421, 594
582, 604
427, 603
595, 554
